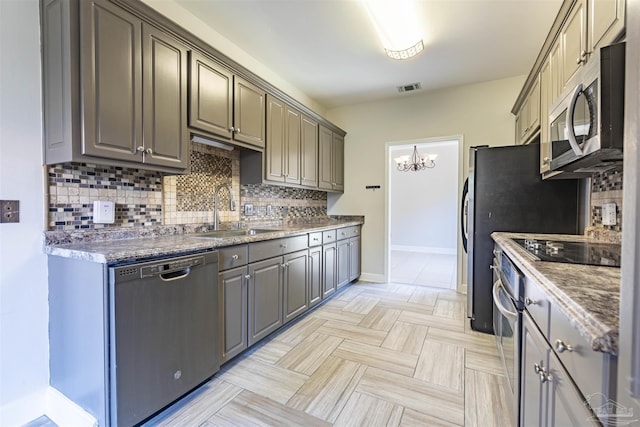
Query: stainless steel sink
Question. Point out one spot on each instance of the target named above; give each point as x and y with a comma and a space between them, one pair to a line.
221, 234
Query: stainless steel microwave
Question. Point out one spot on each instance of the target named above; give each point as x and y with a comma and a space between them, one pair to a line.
586, 126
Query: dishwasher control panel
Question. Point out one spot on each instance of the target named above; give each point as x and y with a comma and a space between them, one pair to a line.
170, 266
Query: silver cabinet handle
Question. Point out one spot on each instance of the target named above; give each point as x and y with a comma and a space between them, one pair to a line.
232, 129
283, 246
247, 276
149, 151
561, 346
542, 374
529, 301
546, 160
493, 267
315, 239
235, 257
537, 368
140, 149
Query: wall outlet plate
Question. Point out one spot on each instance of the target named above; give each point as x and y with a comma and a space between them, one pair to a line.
248, 209
609, 214
10, 210
103, 212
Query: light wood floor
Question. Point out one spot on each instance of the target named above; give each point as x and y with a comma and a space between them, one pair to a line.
374, 355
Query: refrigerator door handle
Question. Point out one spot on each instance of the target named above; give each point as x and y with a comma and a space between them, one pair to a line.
464, 215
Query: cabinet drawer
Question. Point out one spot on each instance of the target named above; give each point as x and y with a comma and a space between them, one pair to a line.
277, 247
233, 256
315, 239
589, 369
348, 232
537, 304
328, 236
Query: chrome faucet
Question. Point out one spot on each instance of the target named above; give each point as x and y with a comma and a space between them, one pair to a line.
232, 204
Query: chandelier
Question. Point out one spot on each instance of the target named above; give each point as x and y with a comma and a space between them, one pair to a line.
415, 162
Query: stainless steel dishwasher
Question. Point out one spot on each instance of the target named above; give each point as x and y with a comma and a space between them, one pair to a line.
163, 333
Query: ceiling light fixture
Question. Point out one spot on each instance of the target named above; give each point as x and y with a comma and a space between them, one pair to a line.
397, 26
415, 162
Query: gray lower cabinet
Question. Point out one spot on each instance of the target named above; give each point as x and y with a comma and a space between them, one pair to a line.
315, 275
329, 269
233, 310
342, 263
295, 284
265, 298
354, 258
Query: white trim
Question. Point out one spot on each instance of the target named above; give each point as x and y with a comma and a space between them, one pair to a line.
374, 278
424, 249
64, 412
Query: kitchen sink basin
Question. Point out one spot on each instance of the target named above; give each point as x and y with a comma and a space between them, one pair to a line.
221, 234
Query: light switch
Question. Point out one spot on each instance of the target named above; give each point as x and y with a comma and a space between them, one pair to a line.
609, 214
103, 212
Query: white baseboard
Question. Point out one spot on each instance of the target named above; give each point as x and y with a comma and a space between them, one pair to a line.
24, 410
374, 278
65, 412
424, 249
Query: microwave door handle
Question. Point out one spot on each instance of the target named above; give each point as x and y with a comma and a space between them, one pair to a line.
496, 299
570, 130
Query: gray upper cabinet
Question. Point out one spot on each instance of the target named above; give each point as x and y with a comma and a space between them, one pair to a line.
528, 119
282, 156
573, 39
248, 113
210, 96
309, 152
331, 162
225, 105
606, 22
127, 104
545, 98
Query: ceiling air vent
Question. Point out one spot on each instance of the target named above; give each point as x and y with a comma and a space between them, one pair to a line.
409, 88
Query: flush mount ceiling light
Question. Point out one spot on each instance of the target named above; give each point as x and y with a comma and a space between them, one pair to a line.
397, 26
415, 162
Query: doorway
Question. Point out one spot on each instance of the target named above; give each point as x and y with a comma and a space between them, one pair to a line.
422, 215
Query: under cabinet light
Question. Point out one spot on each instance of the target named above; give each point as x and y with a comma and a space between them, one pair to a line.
211, 142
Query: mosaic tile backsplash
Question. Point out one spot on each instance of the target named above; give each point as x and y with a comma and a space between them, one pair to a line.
145, 198
606, 187
73, 187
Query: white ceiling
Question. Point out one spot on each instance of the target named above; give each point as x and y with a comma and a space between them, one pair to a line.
329, 50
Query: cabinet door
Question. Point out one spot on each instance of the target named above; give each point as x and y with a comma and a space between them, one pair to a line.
233, 312
338, 162
309, 152
566, 405
265, 298
534, 107
325, 178
315, 275
343, 255
606, 22
211, 97
166, 137
545, 98
292, 151
535, 356
275, 146
111, 70
573, 39
329, 278
249, 112
295, 284
354, 258
555, 59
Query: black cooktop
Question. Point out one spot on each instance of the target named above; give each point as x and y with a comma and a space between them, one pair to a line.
603, 254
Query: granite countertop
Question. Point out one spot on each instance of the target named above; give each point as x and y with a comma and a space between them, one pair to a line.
589, 296
112, 247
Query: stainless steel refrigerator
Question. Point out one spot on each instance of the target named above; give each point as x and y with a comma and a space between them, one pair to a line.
506, 193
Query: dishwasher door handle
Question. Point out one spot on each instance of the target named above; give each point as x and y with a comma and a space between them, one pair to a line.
175, 275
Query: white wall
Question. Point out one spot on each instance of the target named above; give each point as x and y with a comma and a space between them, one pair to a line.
196, 26
24, 347
480, 113
423, 205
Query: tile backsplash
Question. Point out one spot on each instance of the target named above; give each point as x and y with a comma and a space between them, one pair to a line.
606, 187
144, 198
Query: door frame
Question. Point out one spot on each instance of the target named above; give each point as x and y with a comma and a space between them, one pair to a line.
387, 205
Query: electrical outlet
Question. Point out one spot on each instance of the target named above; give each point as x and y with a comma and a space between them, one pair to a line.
10, 211
248, 209
103, 212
